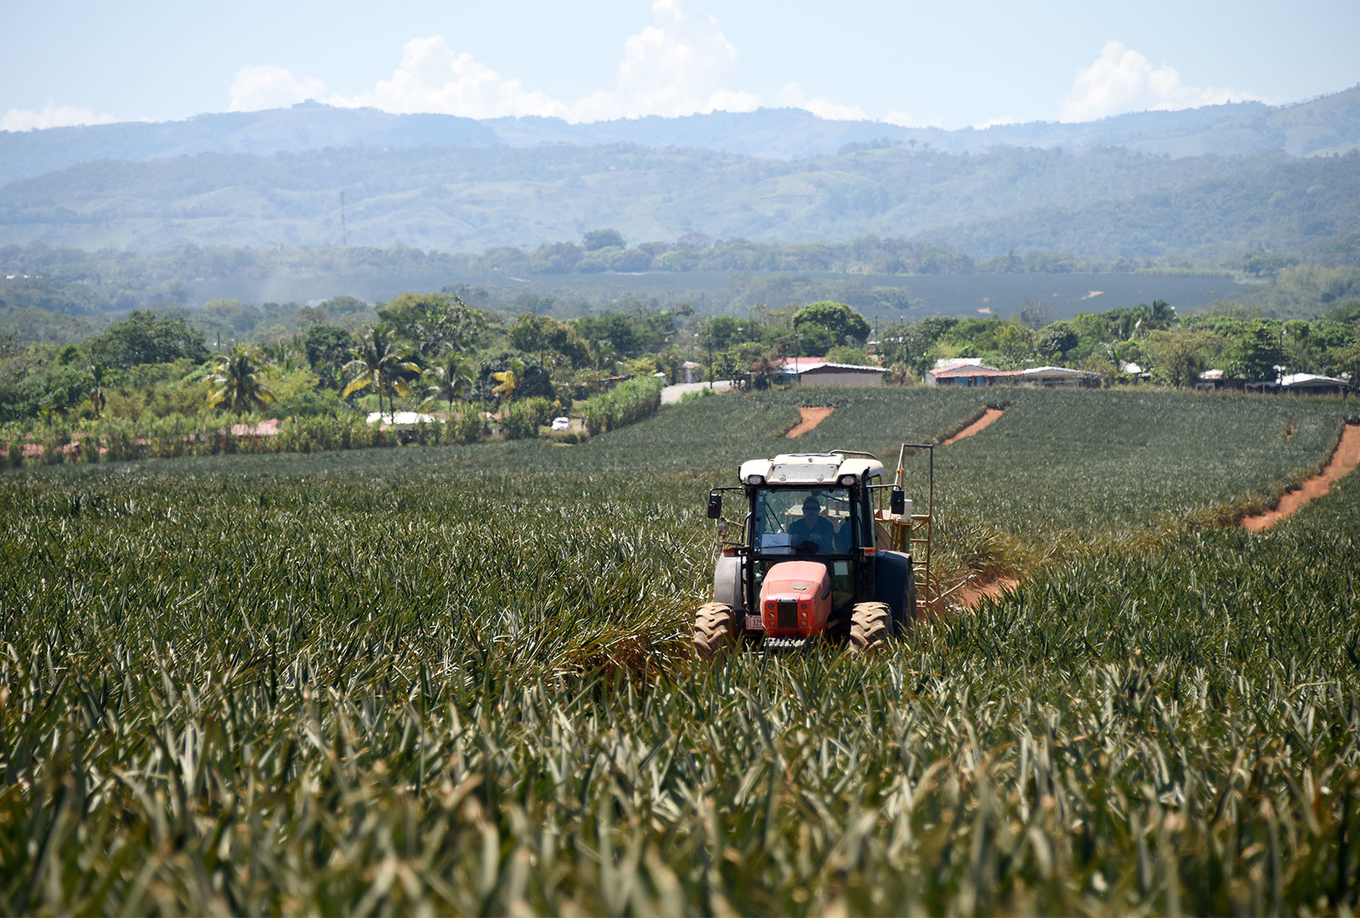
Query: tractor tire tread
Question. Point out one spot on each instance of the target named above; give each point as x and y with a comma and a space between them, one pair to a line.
871, 625
715, 629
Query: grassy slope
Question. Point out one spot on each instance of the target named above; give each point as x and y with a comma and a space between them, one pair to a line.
361, 681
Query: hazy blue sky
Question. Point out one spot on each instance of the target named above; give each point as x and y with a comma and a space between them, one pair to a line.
946, 64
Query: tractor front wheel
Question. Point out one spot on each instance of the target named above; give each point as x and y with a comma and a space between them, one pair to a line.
715, 629
870, 626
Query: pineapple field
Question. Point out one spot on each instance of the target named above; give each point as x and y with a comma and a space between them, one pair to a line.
457, 679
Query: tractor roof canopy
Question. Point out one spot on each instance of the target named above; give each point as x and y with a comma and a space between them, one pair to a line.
803, 469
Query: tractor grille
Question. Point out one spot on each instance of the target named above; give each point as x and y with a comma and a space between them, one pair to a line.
786, 613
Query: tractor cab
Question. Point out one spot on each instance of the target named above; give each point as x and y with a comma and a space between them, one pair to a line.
814, 545
803, 521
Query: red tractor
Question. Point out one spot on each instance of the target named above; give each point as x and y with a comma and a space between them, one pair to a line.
818, 555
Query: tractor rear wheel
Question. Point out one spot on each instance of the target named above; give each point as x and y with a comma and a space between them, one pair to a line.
715, 629
870, 626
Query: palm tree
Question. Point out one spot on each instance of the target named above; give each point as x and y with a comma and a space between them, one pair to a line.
509, 379
96, 375
451, 380
284, 353
1162, 315
235, 380
381, 363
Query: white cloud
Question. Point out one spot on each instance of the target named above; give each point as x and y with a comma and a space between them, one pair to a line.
1123, 80
257, 88
432, 77
52, 115
791, 96
675, 66
905, 119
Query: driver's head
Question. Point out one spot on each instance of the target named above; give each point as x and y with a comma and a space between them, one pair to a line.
811, 508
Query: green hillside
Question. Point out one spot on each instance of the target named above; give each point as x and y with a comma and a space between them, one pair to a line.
462, 199
1302, 205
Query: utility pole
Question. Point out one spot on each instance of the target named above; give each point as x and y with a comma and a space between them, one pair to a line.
344, 234
710, 358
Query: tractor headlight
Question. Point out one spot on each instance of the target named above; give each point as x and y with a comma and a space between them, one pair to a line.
847, 481
755, 480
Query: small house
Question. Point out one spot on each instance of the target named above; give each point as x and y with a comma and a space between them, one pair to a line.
971, 374
1302, 384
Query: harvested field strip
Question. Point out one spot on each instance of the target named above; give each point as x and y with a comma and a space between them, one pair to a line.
988, 418
1346, 458
811, 417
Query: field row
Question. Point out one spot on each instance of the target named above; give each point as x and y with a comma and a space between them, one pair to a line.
452, 679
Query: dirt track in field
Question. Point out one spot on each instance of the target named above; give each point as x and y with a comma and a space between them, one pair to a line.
972, 594
1346, 457
811, 418
988, 418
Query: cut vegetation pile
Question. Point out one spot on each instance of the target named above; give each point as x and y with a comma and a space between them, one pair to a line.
450, 678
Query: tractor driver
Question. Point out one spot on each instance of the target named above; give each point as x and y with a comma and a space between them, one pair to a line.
813, 533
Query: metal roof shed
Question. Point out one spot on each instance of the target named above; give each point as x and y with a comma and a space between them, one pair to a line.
816, 372
1051, 377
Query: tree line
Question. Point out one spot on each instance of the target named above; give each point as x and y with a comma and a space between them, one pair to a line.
1149, 341
429, 350
74, 282
437, 352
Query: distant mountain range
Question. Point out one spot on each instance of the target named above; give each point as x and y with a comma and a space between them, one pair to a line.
1207, 181
1319, 127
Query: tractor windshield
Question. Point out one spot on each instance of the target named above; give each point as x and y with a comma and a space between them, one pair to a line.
803, 521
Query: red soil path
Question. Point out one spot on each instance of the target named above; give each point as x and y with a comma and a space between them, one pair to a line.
811, 418
972, 594
988, 418
1346, 457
